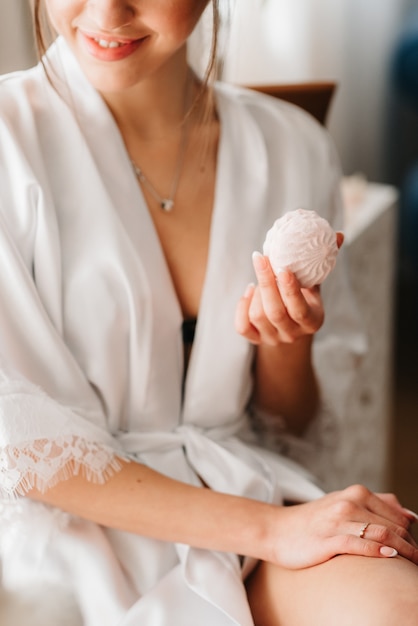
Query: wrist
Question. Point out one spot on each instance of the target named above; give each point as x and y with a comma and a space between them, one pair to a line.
267, 533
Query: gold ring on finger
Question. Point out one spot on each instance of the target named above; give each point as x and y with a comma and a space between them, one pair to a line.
363, 529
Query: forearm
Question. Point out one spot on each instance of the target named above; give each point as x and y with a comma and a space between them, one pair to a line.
139, 500
285, 383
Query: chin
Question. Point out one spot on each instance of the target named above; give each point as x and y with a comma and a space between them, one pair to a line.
111, 80
39, 606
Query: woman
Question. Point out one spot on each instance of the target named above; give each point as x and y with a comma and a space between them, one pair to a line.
131, 201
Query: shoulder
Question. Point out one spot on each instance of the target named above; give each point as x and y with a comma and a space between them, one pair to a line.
18, 88
282, 125
298, 155
24, 98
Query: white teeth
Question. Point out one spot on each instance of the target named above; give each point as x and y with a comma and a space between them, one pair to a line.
103, 43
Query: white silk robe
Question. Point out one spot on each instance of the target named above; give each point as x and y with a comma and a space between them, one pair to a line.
91, 351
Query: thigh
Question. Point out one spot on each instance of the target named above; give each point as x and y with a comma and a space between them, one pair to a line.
347, 590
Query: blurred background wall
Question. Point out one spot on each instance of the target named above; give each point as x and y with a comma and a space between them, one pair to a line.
16, 41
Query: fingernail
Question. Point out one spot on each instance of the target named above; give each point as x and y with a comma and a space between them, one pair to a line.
386, 551
259, 261
412, 514
249, 290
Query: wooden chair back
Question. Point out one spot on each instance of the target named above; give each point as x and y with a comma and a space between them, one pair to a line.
314, 97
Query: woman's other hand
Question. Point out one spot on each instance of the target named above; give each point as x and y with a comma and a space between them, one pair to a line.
352, 521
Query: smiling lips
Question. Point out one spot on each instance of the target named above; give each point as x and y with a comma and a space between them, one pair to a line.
110, 49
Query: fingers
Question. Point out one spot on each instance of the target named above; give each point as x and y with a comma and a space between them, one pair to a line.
277, 310
259, 304
286, 312
268, 322
384, 534
271, 301
391, 499
243, 324
251, 319
381, 530
412, 516
377, 505
378, 541
374, 522
339, 523
349, 544
289, 289
293, 299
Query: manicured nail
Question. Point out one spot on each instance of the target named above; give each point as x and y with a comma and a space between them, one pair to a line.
386, 551
249, 290
259, 261
279, 270
411, 514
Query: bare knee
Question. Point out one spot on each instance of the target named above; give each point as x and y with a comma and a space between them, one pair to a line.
396, 601
344, 591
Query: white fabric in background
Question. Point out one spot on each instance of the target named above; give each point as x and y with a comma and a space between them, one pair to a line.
91, 350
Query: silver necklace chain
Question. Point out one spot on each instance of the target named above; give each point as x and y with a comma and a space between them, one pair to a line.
166, 203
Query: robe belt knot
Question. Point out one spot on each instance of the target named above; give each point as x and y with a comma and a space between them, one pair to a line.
153, 441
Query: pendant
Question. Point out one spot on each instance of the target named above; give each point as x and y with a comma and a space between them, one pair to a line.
166, 204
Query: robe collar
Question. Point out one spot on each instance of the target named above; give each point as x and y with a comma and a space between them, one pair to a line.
237, 229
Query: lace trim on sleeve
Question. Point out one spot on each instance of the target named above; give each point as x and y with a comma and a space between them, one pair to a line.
43, 463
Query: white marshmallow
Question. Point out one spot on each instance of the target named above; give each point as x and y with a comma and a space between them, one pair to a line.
304, 243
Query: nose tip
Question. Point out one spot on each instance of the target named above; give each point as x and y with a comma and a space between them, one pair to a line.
111, 15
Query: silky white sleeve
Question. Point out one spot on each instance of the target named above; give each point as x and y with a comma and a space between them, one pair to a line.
51, 421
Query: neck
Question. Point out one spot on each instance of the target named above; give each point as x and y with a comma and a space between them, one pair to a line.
155, 107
